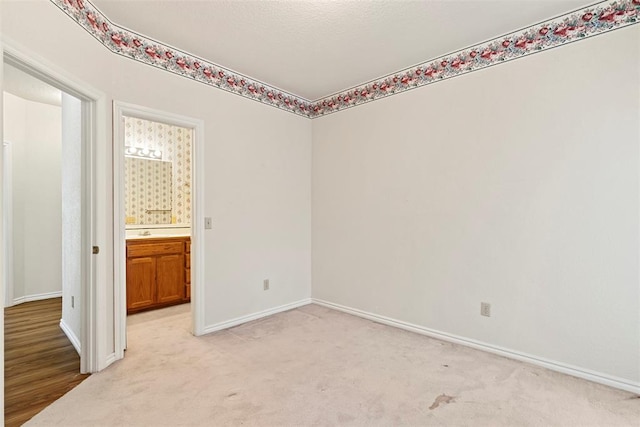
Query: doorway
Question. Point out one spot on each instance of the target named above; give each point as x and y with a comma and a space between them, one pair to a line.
157, 214
34, 202
77, 268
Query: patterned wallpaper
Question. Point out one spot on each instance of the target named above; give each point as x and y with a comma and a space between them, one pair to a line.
175, 143
148, 188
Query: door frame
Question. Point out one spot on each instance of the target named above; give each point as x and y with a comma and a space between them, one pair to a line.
121, 109
93, 325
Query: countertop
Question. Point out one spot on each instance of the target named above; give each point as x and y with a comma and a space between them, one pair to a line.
155, 236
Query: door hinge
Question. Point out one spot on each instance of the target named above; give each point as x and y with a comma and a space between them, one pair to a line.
96, 250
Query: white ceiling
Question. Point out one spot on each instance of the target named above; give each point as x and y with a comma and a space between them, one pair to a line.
316, 48
21, 84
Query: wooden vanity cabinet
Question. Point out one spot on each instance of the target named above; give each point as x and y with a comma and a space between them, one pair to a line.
158, 272
187, 268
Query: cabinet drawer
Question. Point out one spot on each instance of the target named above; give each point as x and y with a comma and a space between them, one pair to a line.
155, 249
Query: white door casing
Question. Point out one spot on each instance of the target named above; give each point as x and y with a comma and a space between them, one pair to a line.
94, 328
120, 110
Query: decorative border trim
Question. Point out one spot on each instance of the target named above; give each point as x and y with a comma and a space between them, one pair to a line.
130, 44
574, 26
37, 297
578, 25
254, 316
553, 365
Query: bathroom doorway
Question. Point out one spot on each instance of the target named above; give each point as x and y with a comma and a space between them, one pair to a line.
157, 218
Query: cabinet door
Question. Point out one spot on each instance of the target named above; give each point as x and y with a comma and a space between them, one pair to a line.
170, 278
187, 276
141, 279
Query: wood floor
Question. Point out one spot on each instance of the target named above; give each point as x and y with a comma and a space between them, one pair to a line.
40, 364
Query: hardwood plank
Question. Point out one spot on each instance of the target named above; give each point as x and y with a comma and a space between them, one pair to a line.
40, 364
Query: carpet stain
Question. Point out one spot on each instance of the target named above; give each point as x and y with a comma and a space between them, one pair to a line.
232, 395
444, 399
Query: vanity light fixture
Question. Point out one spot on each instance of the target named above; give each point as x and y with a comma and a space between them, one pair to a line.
143, 153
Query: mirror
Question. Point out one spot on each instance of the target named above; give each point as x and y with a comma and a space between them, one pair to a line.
148, 191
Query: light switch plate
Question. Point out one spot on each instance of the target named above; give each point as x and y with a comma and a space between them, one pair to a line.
485, 309
207, 223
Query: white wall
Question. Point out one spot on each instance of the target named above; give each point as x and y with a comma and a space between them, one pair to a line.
516, 185
257, 169
71, 215
16, 116
2, 232
33, 129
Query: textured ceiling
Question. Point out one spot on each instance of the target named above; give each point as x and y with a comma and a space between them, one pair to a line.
317, 48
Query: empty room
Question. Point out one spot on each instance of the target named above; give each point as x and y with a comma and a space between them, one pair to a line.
347, 212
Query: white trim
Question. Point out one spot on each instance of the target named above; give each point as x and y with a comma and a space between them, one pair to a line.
49, 72
37, 297
2, 233
121, 109
72, 337
254, 316
94, 326
110, 359
197, 231
553, 365
7, 221
119, 237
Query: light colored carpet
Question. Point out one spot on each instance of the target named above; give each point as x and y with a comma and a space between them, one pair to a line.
316, 366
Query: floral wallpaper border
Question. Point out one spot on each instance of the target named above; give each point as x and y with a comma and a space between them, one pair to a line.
574, 26
127, 43
596, 19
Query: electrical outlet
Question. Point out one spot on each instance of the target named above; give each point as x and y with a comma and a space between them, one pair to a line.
485, 309
73, 301
265, 284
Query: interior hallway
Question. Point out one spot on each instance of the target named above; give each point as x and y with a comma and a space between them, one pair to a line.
317, 366
40, 364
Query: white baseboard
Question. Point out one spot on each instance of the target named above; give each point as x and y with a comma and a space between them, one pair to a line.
72, 337
249, 317
37, 297
109, 360
561, 367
